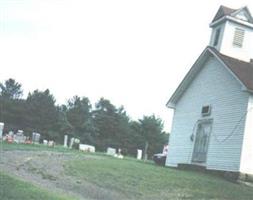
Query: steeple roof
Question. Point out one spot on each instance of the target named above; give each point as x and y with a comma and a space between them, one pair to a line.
223, 11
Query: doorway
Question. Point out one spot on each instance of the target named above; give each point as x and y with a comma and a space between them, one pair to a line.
201, 144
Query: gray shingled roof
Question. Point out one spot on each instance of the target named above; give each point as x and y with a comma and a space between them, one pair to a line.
243, 70
223, 11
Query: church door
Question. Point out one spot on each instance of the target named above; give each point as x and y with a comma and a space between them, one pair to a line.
201, 142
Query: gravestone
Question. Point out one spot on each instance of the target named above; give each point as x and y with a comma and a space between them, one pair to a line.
35, 138
19, 137
11, 133
1, 129
111, 151
51, 143
45, 142
139, 154
65, 140
86, 148
71, 143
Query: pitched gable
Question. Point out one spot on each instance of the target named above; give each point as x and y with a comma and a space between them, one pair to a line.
242, 71
241, 13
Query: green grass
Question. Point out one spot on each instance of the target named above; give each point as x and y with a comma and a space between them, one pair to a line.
14, 189
129, 177
32, 147
138, 180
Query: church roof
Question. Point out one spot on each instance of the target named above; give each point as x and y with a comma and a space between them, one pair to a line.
241, 70
223, 11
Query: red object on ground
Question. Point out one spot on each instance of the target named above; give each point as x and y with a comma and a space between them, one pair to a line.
10, 139
28, 142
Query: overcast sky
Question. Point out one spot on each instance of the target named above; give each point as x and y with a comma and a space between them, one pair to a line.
133, 52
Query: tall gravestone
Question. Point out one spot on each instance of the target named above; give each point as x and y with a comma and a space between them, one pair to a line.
1, 129
139, 154
65, 140
71, 143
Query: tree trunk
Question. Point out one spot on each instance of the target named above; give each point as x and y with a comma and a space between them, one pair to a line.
146, 151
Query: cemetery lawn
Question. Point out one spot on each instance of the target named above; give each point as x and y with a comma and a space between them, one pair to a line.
12, 189
48, 173
138, 180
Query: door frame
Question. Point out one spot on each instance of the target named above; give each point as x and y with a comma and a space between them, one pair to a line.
201, 121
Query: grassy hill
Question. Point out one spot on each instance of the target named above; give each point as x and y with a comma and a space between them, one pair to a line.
97, 176
14, 189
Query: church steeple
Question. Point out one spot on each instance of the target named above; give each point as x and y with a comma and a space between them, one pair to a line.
232, 32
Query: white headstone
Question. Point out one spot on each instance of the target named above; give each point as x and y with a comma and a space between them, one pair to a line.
111, 151
11, 133
35, 138
139, 154
65, 140
86, 148
19, 137
45, 142
51, 143
76, 141
71, 143
1, 129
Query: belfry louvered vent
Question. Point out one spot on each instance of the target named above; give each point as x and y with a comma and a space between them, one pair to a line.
238, 37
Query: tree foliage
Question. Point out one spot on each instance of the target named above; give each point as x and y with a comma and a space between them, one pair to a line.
42, 113
78, 116
104, 126
11, 89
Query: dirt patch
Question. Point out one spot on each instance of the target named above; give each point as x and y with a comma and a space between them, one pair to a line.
46, 169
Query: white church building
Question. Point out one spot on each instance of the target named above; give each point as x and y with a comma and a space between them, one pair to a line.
213, 106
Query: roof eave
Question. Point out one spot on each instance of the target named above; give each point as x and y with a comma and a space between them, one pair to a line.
170, 105
177, 94
229, 18
249, 90
247, 10
194, 69
217, 22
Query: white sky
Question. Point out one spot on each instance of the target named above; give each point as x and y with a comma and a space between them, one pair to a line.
134, 52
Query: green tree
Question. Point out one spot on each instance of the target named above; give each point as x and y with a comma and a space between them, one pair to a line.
63, 124
12, 108
79, 119
106, 120
11, 89
123, 130
43, 114
152, 132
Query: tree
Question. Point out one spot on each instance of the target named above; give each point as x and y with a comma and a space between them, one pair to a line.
123, 130
11, 89
12, 109
151, 131
63, 124
43, 114
79, 118
104, 117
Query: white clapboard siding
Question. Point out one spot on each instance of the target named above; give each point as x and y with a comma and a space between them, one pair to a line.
214, 85
247, 148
